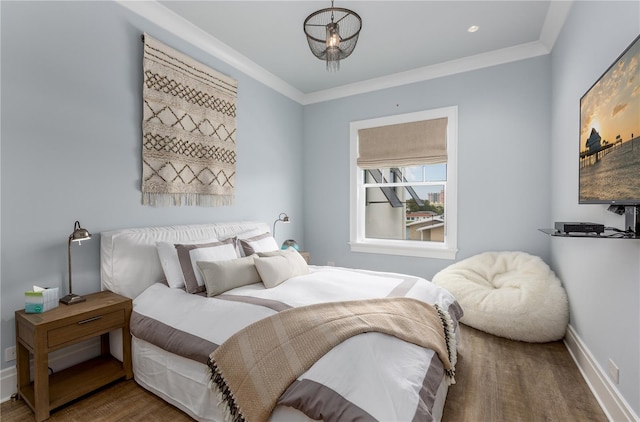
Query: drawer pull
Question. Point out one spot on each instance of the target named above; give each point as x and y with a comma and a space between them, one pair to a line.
90, 320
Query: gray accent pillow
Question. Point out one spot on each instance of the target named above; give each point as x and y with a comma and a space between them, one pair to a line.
220, 276
188, 255
171, 263
260, 243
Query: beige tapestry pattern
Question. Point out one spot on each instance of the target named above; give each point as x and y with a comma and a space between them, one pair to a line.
188, 130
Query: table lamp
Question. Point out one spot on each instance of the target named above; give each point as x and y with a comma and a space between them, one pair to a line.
79, 234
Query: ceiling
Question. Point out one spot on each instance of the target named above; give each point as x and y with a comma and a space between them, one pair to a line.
400, 41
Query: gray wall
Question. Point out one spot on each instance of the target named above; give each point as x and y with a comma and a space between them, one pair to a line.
602, 277
503, 161
71, 144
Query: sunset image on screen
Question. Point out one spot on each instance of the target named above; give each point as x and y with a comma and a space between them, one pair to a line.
612, 106
610, 132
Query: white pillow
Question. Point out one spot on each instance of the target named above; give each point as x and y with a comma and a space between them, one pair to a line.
275, 269
220, 276
170, 263
261, 243
189, 255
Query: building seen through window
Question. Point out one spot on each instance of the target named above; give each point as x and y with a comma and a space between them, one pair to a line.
405, 203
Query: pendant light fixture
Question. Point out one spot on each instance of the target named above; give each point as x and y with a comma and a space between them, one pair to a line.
332, 34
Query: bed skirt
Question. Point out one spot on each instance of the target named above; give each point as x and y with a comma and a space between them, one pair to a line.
183, 383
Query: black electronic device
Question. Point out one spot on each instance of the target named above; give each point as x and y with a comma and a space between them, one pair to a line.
579, 227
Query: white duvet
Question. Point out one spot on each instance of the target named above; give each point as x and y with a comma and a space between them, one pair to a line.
371, 376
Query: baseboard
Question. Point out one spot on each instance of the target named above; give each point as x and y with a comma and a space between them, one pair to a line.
613, 404
8, 382
58, 360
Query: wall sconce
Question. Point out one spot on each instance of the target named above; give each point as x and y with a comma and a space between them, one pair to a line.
79, 234
282, 217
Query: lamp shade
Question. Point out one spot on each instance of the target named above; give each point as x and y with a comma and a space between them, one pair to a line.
79, 234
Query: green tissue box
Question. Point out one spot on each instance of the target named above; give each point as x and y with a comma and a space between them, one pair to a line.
40, 300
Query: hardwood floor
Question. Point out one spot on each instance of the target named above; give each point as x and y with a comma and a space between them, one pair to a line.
496, 380
120, 401
505, 380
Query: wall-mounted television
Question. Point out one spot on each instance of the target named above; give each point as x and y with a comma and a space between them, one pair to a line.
610, 134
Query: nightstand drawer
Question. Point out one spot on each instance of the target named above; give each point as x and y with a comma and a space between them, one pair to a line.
85, 328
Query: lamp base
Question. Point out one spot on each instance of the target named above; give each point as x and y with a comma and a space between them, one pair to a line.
72, 299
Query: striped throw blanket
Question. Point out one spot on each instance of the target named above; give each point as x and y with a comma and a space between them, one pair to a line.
255, 366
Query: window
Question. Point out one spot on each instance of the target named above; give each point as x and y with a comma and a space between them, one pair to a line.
403, 184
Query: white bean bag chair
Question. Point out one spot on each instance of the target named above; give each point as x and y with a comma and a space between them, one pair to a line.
509, 294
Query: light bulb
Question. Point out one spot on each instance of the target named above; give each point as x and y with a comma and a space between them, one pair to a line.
333, 36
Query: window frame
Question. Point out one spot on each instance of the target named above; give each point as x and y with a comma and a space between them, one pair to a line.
441, 250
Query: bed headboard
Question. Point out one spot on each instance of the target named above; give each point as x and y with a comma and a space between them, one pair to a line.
129, 261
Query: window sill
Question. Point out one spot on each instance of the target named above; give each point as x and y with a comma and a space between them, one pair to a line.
394, 247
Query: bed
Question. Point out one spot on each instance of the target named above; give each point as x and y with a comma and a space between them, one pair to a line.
175, 328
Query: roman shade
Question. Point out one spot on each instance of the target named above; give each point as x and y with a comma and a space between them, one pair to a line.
405, 144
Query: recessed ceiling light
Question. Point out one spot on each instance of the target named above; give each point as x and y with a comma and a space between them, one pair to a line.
473, 28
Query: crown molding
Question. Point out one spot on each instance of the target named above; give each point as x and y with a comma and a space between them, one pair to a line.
554, 21
185, 30
159, 15
479, 61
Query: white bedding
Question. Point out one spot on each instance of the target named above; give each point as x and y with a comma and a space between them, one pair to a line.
184, 383
130, 266
390, 373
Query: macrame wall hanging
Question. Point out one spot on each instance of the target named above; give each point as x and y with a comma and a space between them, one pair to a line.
188, 130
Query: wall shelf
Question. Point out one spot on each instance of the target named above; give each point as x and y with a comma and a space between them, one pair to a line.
608, 234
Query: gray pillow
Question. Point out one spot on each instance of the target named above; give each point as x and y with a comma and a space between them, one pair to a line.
220, 276
189, 254
261, 243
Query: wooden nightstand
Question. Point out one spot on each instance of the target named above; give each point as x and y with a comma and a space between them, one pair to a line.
306, 256
63, 326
